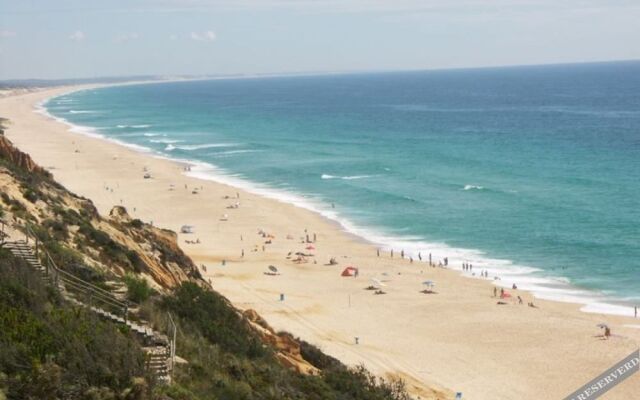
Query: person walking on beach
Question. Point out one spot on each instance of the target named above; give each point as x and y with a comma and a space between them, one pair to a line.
429, 258
378, 252
495, 291
242, 253
402, 254
635, 311
419, 256
391, 253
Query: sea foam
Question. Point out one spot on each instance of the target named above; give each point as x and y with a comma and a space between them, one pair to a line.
347, 178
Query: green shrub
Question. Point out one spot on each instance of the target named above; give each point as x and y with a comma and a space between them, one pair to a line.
31, 195
136, 223
57, 228
49, 350
138, 290
211, 314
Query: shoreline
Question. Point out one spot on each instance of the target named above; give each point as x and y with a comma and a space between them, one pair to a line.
509, 345
542, 286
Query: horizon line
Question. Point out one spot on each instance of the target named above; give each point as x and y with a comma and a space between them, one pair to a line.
151, 76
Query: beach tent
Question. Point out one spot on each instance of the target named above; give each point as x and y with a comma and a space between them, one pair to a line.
349, 271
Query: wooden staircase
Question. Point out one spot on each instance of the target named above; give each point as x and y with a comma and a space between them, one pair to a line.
158, 347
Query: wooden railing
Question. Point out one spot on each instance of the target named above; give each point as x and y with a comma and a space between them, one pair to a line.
93, 295
90, 294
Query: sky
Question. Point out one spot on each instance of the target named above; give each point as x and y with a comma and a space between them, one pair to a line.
51, 39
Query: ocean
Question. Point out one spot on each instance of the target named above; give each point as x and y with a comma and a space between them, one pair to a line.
531, 173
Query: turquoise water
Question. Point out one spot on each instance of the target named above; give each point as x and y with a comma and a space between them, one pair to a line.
530, 172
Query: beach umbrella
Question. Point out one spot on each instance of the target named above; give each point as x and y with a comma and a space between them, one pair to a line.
429, 283
273, 269
603, 326
310, 247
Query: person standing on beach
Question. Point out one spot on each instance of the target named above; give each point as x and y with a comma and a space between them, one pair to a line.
378, 252
420, 256
429, 258
402, 254
391, 253
495, 291
635, 309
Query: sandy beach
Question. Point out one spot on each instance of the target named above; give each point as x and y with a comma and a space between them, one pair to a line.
455, 340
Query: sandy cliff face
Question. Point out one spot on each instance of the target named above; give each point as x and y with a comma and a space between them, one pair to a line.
158, 249
18, 158
288, 349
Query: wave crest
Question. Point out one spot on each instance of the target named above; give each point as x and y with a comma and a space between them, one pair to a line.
347, 178
473, 187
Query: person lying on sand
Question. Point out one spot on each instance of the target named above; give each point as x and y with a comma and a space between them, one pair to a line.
379, 292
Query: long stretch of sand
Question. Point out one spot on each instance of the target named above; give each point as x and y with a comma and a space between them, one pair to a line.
455, 340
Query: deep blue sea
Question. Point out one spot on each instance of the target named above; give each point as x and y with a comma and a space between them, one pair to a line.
530, 172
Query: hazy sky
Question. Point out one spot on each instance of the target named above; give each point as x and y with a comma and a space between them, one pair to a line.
88, 38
